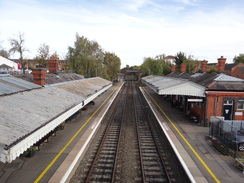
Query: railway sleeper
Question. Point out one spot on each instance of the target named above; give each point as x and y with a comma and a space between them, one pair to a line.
104, 166
102, 171
155, 179
106, 156
105, 161
109, 148
146, 140
111, 144
148, 144
154, 173
150, 158
145, 150
107, 152
154, 168
100, 178
149, 164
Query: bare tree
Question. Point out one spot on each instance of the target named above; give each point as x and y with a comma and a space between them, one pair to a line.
43, 54
3, 51
18, 46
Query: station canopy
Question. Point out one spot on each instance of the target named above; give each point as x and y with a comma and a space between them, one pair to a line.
164, 85
31, 113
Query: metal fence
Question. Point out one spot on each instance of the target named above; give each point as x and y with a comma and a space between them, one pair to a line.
229, 132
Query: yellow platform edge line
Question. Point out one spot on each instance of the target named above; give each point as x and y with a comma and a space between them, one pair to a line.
73, 137
182, 136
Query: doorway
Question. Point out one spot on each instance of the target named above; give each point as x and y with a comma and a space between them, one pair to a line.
228, 110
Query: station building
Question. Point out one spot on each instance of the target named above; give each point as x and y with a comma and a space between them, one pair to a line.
202, 94
33, 106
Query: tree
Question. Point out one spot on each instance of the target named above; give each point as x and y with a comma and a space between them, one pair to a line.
18, 46
112, 64
180, 58
43, 54
239, 59
212, 70
151, 66
85, 57
4, 53
192, 64
164, 64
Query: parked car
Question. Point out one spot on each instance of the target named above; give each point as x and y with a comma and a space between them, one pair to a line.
236, 141
28, 71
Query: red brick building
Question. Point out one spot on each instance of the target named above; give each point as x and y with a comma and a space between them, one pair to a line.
202, 94
235, 69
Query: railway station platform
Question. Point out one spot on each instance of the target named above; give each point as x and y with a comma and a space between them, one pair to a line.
213, 166
50, 163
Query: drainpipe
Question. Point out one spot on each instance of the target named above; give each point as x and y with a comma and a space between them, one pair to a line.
216, 106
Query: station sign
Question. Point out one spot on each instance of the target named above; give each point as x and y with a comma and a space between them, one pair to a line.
194, 100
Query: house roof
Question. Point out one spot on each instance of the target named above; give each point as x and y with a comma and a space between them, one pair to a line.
52, 78
5, 66
10, 85
170, 57
242, 69
8, 62
49, 106
230, 66
206, 79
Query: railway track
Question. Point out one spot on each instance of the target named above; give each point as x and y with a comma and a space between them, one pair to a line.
130, 146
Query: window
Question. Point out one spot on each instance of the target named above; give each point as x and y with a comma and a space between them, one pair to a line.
240, 104
228, 102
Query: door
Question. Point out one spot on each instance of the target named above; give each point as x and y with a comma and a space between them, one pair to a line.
227, 112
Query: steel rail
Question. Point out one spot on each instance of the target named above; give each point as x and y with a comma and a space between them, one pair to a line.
153, 137
105, 137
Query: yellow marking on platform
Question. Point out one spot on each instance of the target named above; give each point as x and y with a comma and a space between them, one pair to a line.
74, 136
182, 136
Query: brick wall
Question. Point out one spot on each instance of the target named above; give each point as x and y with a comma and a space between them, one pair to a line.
215, 104
237, 73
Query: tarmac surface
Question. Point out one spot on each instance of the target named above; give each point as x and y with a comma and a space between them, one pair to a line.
52, 160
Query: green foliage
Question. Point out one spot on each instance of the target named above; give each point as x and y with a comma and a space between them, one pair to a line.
180, 58
135, 67
212, 70
4, 53
155, 66
111, 65
87, 58
239, 59
192, 65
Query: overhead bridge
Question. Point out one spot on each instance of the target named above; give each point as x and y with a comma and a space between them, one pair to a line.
131, 74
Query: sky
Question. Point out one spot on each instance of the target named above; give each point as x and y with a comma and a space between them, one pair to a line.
132, 29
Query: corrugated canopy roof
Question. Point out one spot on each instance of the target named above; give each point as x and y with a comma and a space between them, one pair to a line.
25, 113
174, 86
193, 84
10, 84
52, 78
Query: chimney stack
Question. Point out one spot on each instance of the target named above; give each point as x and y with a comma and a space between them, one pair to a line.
204, 64
53, 64
39, 76
221, 64
183, 68
173, 67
